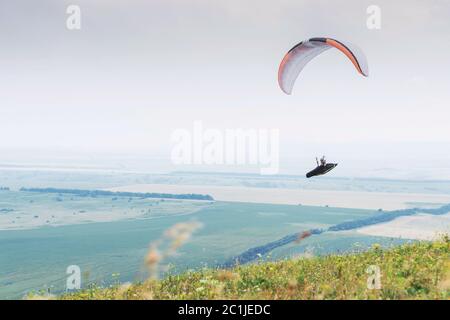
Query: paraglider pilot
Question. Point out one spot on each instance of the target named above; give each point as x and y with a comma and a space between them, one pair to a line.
322, 168
323, 162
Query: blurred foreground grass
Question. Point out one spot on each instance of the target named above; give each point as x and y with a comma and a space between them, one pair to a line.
411, 271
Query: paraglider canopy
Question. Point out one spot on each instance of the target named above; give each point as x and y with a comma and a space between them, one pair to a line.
298, 57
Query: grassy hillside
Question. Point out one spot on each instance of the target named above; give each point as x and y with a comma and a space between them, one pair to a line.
414, 271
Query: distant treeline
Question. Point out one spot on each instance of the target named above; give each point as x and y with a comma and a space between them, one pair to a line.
257, 252
4, 189
386, 217
96, 193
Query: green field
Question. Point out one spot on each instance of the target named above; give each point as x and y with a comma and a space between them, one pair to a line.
36, 259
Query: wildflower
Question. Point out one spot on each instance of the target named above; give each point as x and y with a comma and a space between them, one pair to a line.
303, 235
153, 256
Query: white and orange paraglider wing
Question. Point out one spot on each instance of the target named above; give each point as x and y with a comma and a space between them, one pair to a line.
298, 57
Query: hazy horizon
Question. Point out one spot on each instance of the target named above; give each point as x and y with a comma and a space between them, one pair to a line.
134, 73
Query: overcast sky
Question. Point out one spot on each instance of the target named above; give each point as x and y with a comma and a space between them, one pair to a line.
139, 69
